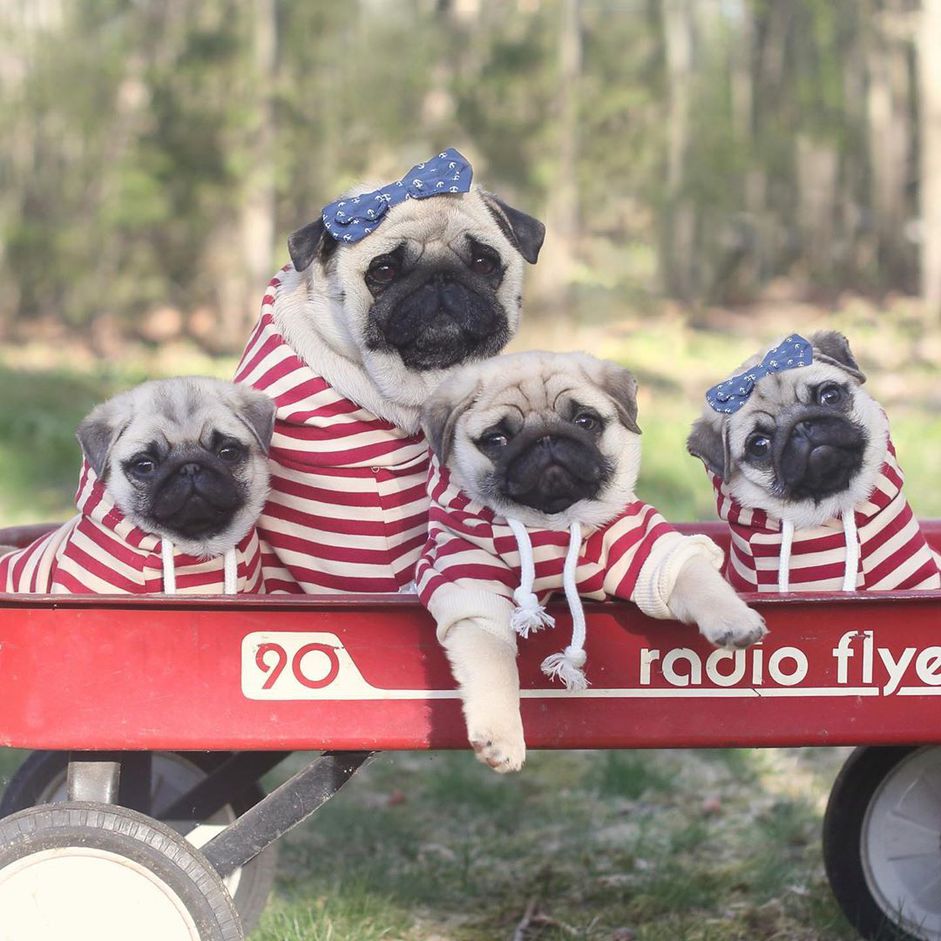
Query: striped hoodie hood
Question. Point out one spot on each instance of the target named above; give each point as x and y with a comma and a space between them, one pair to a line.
100, 551
882, 541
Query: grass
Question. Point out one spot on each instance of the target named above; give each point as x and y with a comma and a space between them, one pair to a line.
670, 845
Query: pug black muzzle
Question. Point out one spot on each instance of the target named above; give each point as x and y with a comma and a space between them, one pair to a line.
819, 455
437, 319
551, 470
195, 496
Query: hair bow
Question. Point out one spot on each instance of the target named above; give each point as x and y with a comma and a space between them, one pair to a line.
353, 218
731, 395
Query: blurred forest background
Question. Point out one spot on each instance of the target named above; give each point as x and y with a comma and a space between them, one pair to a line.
713, 173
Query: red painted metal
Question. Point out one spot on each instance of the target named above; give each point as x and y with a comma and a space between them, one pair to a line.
364, 672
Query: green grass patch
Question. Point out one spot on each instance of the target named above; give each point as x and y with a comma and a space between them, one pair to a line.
717, 846
630, 774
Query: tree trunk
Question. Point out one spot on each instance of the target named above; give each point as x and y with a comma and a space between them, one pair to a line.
257, 213
678, 252
555, 271
817, 165
888, 107
930, 90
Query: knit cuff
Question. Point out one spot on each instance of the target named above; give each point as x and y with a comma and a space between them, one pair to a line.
489, 611
662, 567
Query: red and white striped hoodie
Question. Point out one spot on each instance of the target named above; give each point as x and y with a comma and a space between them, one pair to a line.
101, 552
878, 548
471, 565
348, 510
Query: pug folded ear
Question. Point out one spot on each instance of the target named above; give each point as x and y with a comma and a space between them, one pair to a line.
833, 348
525, 233
711, 446
257, 412
304, 244
440, 413
98, 433
621, 387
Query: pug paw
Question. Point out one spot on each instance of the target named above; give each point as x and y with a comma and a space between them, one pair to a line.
501, 755
499, 746
738, 628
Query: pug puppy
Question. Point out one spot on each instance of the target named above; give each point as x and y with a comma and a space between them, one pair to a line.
536, 461
175, 474
372, 314
806, 475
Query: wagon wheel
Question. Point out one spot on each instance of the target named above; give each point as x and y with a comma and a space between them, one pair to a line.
41, 779
99, 872
882, 842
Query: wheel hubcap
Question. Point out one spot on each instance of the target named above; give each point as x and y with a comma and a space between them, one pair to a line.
86, 892
901, 844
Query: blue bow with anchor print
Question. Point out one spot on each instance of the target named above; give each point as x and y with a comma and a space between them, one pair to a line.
353, 218
731, 395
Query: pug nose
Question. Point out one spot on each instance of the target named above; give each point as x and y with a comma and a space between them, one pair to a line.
805, 428
190, 470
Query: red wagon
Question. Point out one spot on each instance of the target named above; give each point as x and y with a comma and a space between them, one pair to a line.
154, 718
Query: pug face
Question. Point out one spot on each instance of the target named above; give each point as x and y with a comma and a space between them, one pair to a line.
436, 285
185, 459
546, 438
807, 444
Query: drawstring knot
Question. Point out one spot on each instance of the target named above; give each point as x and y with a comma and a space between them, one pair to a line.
567, 666
531, 616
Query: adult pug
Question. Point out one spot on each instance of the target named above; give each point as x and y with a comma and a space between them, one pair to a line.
532, 491
175, 474
389, 291
807, 477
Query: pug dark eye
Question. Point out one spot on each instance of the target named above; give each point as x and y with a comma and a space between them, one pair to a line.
587, 421
483, 264
384, 272
830, 394
230, 453
758, 446
493, 439
141, 466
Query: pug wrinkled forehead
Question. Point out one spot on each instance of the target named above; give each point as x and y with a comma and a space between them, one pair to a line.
793, 432
549, 438
185, 457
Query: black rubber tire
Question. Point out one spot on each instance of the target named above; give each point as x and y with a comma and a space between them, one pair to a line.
137, 837
855, 785
41, 770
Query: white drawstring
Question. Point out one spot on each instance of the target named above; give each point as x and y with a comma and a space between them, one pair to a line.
851, 571
851, 563
784, 560
567, 665
230, 566
531, 616
169, 572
